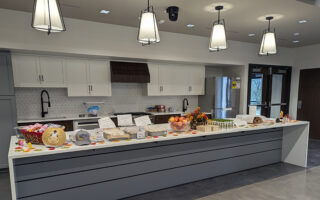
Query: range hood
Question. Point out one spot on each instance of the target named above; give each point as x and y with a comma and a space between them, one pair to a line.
129, 72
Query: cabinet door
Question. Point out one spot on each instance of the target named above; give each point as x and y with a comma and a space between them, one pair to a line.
196, 80
51, 69
7, 123
25, 71
153, 88
100, 79
6, 76
77, 77
172, 79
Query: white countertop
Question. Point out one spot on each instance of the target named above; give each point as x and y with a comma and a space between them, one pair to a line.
45, 151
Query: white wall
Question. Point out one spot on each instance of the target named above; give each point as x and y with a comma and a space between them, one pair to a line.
91, 38
305, 58
126, 97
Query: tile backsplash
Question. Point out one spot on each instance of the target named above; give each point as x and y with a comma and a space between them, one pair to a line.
125, 98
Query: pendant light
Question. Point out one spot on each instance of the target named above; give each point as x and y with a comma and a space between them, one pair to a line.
148, 29
268, 43
218, 40
47, 16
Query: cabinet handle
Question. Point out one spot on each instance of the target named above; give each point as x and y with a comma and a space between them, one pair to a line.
40, 78
91, 88
161, 88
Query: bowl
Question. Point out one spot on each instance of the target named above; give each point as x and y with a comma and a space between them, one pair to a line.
180, 126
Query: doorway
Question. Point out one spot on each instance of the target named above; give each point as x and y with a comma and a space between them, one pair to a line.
269, 89
308, 100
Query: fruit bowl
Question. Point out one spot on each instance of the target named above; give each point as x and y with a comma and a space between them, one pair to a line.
179, 124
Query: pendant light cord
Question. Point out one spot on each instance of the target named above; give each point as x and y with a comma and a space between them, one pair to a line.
269, 25
148, 6
219, 17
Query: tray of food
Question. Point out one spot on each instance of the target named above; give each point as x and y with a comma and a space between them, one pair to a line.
112, 134
155, 130
132, 131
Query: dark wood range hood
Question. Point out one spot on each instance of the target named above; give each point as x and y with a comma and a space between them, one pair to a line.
129, 72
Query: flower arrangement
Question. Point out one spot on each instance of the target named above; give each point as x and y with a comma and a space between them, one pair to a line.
197, 118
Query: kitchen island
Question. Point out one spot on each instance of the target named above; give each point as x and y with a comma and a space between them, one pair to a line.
113, 170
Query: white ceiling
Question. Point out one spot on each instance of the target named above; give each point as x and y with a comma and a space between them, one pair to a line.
241, 19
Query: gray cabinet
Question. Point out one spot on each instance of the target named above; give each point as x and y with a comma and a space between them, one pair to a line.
8, 121
8, 113
6, 76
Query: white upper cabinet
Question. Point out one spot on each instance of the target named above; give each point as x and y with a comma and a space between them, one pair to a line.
153, 88
99, 78
88, 77
37, 71
26, 72
196, 80
175, 79
52, 71
76, 70
172, 79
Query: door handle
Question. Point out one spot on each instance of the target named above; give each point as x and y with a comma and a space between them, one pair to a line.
299, 104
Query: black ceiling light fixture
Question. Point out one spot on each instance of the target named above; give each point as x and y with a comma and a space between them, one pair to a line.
268, 43
173, 12
47, 16
218, 39
148, 30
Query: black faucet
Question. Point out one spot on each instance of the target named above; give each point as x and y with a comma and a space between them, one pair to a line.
185, 106
43, 113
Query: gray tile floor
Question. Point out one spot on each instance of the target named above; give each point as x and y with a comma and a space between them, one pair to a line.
254, 184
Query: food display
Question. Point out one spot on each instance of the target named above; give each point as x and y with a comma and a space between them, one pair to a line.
112, 134
257, 120
208, 128
223, 123
179, 124
132, 131
33, 133
54, 137
155, 130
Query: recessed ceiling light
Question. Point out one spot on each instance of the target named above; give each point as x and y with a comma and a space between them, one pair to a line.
161, 21
105, 11
296, 34
251, 34
296, 41
303, 21
190, 25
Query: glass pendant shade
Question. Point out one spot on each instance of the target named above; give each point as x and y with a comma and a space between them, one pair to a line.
148, 29
47, 16
218, 40
268, 44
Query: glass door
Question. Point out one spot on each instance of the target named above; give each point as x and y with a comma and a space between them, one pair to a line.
268, 89
258, 79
